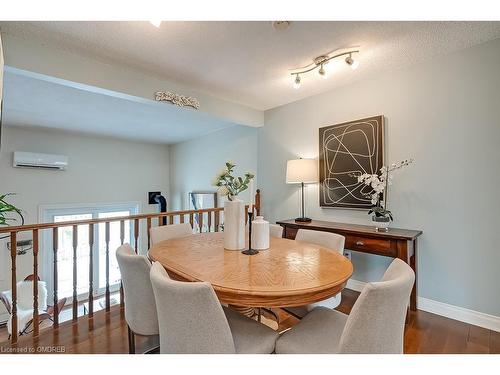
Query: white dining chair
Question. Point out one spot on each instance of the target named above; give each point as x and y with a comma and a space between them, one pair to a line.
276, 230
374, 326
331, 241
167, 232
140, 306
192, 320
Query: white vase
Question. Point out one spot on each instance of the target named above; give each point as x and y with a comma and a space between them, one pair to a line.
234, 224
260, 233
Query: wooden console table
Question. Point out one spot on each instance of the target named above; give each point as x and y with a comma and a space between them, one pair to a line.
396, 243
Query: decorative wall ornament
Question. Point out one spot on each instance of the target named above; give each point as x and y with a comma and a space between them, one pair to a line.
180, 100
345, 151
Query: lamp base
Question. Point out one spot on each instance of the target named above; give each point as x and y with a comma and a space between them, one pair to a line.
302, 220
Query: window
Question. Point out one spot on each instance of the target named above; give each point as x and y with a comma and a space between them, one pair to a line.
62, 213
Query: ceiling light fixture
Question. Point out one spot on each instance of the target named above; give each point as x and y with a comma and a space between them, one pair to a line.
155, 23
320, 63
351, 62
296, 82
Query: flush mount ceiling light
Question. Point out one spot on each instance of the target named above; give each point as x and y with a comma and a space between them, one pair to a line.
155, 23
321, 62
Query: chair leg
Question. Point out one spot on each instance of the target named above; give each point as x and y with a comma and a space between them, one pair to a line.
131, 341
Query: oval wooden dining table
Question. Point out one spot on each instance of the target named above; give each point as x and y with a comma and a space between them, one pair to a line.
289, 273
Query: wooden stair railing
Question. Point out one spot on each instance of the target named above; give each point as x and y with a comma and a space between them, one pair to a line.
212, 224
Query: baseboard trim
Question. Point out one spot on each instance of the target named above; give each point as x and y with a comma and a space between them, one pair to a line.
449, 311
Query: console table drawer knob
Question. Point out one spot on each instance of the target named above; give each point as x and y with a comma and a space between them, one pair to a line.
359, 243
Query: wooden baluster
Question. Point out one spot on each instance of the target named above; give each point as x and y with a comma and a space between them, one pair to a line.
149, 229
108, 303
36, 320
200, 220
91, 270
257, 203
122, 240
136, 235
55, 245
191, 220
181, 219
171, 219
160, 221
75, 270
217, 220
13, 254
122, 231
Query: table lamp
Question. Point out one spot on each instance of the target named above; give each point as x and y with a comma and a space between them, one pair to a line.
302, 171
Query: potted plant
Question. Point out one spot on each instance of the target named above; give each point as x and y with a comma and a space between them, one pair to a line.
234, 208
6, 209
378, 185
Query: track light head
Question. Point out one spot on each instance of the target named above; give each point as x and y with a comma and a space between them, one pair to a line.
296, 82
322, 72
351, 62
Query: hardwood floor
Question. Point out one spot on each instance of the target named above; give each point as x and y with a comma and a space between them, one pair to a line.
107, 333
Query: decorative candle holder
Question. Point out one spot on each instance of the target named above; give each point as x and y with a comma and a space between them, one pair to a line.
250, 251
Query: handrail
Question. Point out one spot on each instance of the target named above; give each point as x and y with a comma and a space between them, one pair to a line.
21, 228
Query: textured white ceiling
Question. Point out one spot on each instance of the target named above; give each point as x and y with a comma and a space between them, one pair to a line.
248, 62
34, 102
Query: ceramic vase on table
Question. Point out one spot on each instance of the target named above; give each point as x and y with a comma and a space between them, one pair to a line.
234, 224
381, 223
260, 233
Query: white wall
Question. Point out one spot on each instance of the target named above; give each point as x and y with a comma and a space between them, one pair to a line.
100, 170
194, 164
445, 114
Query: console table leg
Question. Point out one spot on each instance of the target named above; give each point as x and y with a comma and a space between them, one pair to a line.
407, 252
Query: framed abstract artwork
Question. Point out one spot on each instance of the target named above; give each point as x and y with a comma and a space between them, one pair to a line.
345, 150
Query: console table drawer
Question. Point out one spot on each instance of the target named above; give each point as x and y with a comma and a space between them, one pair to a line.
372, 245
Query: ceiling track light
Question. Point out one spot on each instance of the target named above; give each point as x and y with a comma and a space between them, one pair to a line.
320, 62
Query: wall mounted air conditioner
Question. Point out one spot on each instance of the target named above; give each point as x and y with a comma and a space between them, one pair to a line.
40, 161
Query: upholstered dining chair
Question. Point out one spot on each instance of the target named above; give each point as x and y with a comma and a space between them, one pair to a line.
140, 307
192, 320
331, 241
374, 326
166, 232
276, 230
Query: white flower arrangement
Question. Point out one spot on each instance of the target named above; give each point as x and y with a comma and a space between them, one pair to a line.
228, 185
378, 184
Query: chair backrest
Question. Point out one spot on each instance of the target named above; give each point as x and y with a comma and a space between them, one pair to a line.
191, 317
329, 240
140, 307
377, 319
166, 232
276, 230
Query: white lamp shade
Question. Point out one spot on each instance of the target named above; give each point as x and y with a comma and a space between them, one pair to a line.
301, 170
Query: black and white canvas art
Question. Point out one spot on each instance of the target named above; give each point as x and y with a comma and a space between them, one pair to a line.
346, 150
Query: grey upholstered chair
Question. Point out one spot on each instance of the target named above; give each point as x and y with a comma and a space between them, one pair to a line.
193, 321
375, 324
331, 241
166, 232
276, 230
140, 307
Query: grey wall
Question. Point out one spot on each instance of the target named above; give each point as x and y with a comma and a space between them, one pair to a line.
445, 114
100, 170
194, 164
